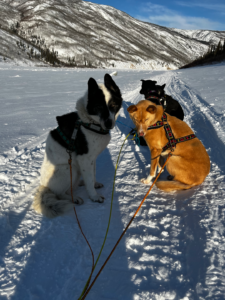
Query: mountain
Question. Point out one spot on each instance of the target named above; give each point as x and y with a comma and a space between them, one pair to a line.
209, 36
88, 34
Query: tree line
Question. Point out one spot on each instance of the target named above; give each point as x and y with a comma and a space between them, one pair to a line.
214, 53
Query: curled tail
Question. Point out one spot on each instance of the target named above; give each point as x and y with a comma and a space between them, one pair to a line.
46, 203
169, 186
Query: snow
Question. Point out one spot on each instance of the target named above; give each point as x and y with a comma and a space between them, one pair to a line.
174, 249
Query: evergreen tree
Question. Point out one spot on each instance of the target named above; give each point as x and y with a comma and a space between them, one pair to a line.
217, 51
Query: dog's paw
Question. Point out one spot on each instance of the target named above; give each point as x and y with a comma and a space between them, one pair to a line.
147, 180
98, 185
98, 198
78, 200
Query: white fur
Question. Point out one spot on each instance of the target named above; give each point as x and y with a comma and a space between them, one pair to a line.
105, 92
53, 195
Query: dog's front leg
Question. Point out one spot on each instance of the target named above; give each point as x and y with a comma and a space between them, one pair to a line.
154, 163
87, 169
98, 185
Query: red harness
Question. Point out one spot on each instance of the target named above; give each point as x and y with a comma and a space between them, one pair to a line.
172, 140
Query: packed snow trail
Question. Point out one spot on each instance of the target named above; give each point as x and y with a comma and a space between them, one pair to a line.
174, 249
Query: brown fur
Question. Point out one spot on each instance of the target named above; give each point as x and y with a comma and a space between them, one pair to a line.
190, 163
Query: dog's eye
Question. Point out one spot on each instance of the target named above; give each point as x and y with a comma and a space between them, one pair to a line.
146, 120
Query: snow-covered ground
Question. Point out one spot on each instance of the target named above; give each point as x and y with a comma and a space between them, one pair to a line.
174, 249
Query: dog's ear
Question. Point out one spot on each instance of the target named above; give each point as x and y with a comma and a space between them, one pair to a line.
151, 109
111, 85
92, 84
132, 109
142, 86
163, 86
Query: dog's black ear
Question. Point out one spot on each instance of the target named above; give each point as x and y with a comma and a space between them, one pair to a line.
111, 85
92, 84
142, 80
163, 86
132, 109
151, 109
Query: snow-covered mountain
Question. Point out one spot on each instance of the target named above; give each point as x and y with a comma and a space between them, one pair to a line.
98, 35
210, 36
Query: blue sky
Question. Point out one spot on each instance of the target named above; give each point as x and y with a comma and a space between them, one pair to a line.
192, 14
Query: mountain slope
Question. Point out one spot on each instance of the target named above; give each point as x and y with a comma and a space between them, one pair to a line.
98, 35
210, 36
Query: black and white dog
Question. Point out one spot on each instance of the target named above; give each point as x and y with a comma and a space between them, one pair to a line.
171, 106
85, 133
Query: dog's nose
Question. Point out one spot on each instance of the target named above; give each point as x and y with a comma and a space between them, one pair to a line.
108, 124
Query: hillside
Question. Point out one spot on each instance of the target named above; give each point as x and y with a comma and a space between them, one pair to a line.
88, 34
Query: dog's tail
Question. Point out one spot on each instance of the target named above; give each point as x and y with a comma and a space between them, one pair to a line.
169, 186
46, 203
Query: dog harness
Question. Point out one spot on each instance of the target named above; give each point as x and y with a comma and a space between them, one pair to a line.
169, 134
71, 141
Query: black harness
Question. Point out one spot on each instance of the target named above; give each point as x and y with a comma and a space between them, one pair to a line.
70, 141
169, 134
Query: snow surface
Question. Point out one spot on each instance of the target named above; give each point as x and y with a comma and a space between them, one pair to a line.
174, 249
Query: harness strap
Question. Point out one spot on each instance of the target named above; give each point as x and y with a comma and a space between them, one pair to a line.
158, 124
172, 141
179, 140
71, 141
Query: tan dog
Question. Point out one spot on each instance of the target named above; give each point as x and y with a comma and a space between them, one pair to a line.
189, 164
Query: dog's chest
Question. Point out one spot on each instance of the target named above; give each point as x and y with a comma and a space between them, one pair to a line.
96, 142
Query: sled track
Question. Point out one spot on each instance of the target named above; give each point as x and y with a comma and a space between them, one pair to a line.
204, 211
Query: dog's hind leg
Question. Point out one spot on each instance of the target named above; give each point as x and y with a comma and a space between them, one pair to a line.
60, 183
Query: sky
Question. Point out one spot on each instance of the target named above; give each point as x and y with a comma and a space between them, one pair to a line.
192, 14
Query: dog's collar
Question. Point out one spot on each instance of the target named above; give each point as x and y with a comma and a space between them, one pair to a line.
152, 97
94, 127
71, 141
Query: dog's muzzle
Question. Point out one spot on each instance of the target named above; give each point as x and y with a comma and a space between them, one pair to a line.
109, 124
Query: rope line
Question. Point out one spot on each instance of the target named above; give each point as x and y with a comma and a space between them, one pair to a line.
107, 230
124, 231
71, 189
